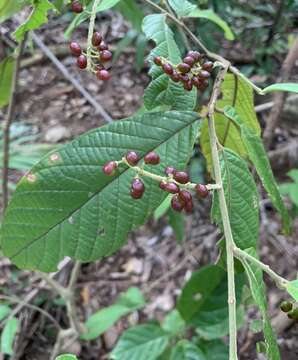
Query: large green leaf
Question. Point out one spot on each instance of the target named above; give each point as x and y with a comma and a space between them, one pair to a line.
142, 342
6, 73
257, 287
185, 350
214, 349
184, 8
38, 17
8, 335
236, 93
289, 87
259, 158
242, 200
66, 206
162, 90
103, 319
173, 323
9, 8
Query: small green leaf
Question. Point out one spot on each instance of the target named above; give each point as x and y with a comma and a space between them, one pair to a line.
6, 73
173, 323
292, 289
177, 222
103, 319
8, 335
38, 17
4, 311
142, 342
185, 350
214, 349
9, 8
256, 326
288, 87
163, 208
66, 357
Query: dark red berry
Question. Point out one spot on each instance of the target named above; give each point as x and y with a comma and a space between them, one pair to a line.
183, 77
106, 55
157, 60
137, 188
188, 85
286, 306
169, 170
110, 167
103, 74
175, 76
75, 48
168, 69
185, 196
152, 158
96, 39
172, 188
181, 177
195, 81
103, 46
203, 74
203, 84
189, 60
202, 190
194, 54
183, 68
132, 158
76, 7
176, 203
188, 206
82, 62
162, 185
208, 66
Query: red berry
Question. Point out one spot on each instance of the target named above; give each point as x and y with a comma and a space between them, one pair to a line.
181, 177
195, 81
202, 190
96, 39
188, 85
176, 203
137, 188
175, 76
106, 55
157, 60
172, 188
76, 7
168, 69
189, 60
110, 167
183, 68
203, 84
103, 75
185, 196
189, 206
82, 62
169, 170
132, 158
208, 66
75, 48
194, 54
203, 74
183, 77
152, 158
103, 46
162, 185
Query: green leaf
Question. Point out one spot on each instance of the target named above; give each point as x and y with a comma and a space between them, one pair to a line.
185, 350
173, 323
103, 319
257, 287
242, 200
214, 349
259, 158
102, 6
124, 43
142, 342
163, 208
66, 357
289, 87
66, 206
9, 8
38, 17
184, 8
177, 222
6, 74
4, 311
8, 335
162, 90
292, 289
238, 94
132, 12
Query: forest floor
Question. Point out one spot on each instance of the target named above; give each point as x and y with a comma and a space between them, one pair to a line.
152, 259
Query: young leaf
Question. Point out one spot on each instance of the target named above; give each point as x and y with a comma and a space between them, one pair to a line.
66, 205
242, 200
291, 189
162, 90
258, 291
185, 350
6, 71
9, 8
173, 323
163, 208
259, 158
66, 357
103, 319
177, 222
38, 17
142, 342
289, 87
292, 289
238, 94
8, 335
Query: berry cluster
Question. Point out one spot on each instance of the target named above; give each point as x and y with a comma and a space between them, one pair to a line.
193, 71
100, 55
175, 182
76, 6
292, 312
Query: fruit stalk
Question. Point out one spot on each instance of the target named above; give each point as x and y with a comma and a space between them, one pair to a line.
90, 33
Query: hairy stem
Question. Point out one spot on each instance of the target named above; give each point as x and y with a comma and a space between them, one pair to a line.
90, 33
225, 217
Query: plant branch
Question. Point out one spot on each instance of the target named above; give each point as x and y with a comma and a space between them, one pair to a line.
90, 32
243, 255
225, 216
9, 118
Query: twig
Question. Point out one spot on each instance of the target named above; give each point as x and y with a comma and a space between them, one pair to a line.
279, 97
90, 33
98, 108
9, 119
268, 105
